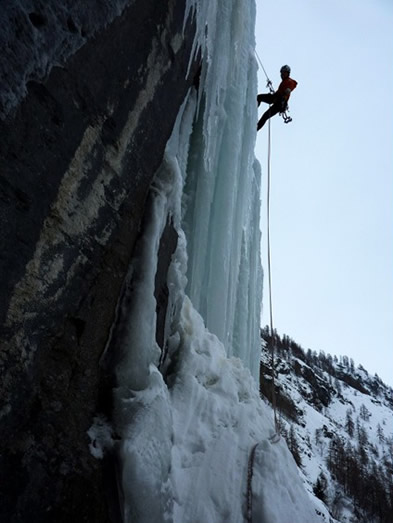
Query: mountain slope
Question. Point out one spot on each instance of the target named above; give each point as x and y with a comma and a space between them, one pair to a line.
337, 420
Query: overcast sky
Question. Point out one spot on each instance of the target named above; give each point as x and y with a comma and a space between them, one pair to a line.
332, 176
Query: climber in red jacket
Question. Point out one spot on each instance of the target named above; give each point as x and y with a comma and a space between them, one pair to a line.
278, 99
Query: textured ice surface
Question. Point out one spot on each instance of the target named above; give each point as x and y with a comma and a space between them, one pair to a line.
186, 439
221, 197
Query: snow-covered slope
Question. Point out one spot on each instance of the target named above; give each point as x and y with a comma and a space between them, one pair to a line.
338, 422
195, 439
186, 454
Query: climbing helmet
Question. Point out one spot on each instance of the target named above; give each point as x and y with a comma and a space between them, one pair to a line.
285, 69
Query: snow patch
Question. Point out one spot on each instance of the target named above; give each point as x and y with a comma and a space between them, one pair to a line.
101, 437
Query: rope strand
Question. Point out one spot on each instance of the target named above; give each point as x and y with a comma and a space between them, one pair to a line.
270, 85
250, 473
261, 64
269, 82
270, 281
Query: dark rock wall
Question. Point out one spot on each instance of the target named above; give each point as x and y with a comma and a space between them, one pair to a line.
36, 34
77, 156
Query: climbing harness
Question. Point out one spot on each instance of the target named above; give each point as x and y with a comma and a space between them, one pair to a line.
284, 114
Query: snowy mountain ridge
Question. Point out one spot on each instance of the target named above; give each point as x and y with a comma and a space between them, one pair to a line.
338, 423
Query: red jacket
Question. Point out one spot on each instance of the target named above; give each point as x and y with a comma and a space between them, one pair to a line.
286, 84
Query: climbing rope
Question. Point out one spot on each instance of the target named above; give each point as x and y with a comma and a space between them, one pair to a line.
274, 402
249, 483
269, 270
269, 82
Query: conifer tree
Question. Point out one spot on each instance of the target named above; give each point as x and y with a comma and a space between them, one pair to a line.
364, 413
380, 434
293, 446
320, 486
349, 423
337, 386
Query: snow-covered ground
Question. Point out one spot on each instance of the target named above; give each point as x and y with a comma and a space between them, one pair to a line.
217, 418
186, 452
317, 426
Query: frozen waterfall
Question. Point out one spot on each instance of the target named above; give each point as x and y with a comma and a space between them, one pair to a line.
221, 200
187, 423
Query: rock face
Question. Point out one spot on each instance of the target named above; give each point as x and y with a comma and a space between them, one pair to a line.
80, 143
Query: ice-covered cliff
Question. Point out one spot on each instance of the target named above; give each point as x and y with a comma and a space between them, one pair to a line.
89, 94
196, 441
130, 198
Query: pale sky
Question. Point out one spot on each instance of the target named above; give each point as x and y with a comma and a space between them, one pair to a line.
332, 176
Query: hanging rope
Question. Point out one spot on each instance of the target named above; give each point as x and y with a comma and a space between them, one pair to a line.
269, 82
274, 402
269, 270
250, 473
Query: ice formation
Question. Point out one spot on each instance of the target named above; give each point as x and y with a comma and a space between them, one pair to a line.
222, 186
187, 426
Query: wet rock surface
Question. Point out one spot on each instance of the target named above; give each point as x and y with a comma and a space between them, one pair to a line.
77, 154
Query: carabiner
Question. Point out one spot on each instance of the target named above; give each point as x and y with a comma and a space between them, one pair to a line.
286, 117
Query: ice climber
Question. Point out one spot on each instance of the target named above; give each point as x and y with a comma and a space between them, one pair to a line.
278, 99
